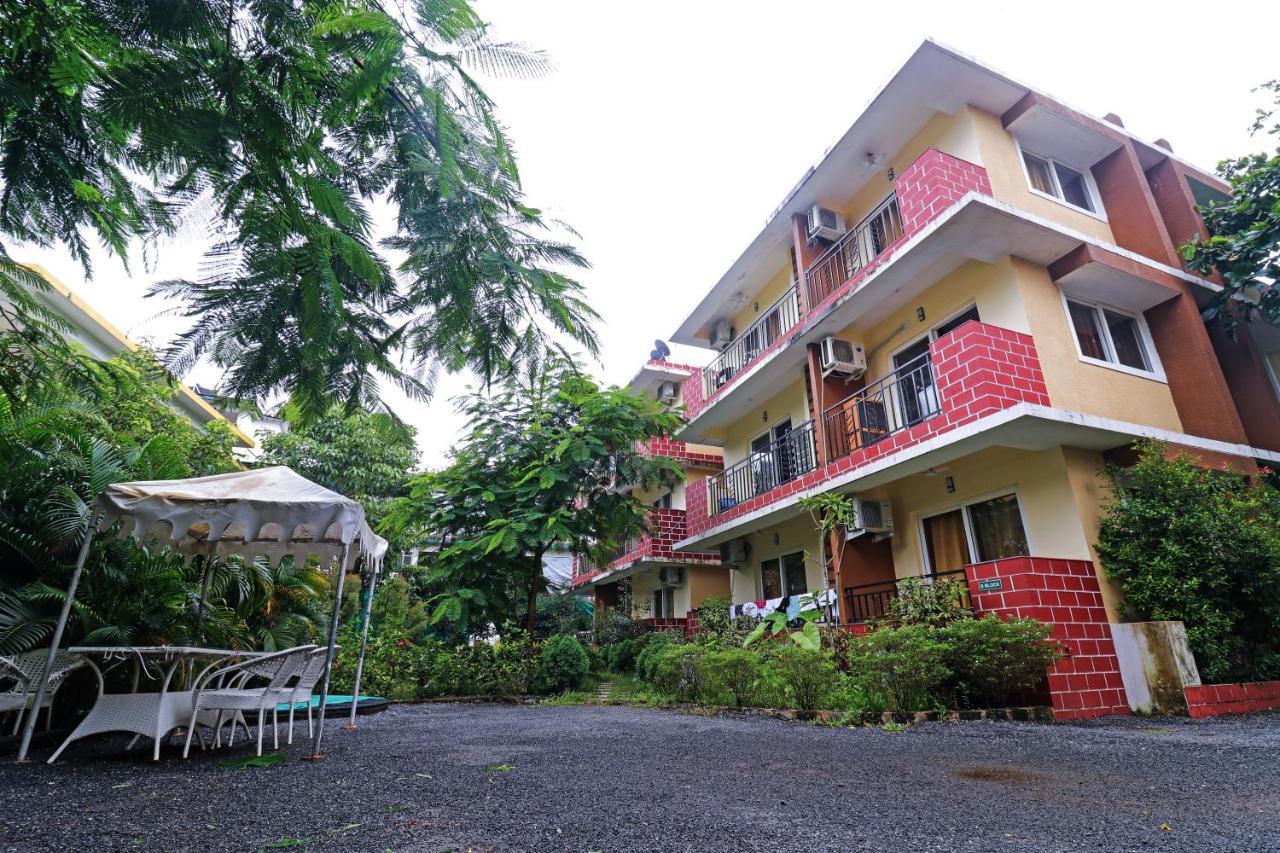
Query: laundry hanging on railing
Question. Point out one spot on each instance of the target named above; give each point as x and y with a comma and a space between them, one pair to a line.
792, 605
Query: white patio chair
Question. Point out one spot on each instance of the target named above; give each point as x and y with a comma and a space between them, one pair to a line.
20, 677
304, 682
251, 685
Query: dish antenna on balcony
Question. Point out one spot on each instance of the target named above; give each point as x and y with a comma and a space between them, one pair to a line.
660, 351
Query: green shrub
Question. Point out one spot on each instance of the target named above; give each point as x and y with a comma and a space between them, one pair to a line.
737, 673
596, 658
651, 647
934, 603
563, 663
810, 676
992, 660
1202, 547
680, 669
904, 669
613, 626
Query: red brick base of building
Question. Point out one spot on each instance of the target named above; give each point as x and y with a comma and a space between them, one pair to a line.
1063, 593
1211, 700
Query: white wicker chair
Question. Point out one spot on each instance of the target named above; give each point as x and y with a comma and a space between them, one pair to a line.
252, 685
20, 675
303, 683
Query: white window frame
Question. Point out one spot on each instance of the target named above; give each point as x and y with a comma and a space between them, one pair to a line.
1091, 186
779, 556
932, 332
963, 505
1156, 372
667, 595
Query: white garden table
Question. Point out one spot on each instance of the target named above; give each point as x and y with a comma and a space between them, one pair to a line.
151, 715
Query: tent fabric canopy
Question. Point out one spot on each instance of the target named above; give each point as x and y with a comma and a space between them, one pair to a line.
272, 511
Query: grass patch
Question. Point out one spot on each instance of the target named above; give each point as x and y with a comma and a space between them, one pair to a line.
500, 768
570, 697
282, 843
629, 690
268, 760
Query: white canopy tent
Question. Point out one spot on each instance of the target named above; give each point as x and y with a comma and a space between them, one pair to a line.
269, 512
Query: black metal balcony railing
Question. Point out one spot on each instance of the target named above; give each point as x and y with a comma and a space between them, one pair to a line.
785, 459
777, 319
894, 402
870, 601
857, 248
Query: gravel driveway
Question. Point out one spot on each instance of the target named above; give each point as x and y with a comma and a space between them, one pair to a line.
587, 778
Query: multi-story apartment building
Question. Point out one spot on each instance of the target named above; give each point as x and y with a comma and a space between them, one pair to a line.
970, 305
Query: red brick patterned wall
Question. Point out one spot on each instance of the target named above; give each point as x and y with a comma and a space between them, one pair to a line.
1065, 594
978, 369
679, 451
934, 182
1210, 700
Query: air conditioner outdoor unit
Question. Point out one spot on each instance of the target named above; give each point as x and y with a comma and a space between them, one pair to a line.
667, 392
825, 224
735, 553
671, 575
843, 358
870, 517
721, 334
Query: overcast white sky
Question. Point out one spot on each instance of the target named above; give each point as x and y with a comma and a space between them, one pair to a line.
671, 129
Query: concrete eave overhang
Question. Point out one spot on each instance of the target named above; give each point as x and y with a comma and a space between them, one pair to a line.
1024, 426
977, 227
633, 568
934, 79
653, 373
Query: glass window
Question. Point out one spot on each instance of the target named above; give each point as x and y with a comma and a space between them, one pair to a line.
1038, 172
956, 322
945, 542
1126, 339
997, 528
1073, 187
783, 576
1059, 180
1085, 321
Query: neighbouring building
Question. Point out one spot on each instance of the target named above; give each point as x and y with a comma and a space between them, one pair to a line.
102, 340
970, 305
248, 419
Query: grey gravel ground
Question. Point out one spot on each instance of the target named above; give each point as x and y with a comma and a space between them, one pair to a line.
614, 779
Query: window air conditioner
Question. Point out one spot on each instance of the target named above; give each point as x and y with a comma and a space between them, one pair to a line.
843, 358
667, 392
671, 575
825, 224
721, 334
735, 553
870, 517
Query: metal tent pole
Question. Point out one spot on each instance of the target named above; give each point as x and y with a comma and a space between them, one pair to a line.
333, 643
209, 560
364, 641
30, 726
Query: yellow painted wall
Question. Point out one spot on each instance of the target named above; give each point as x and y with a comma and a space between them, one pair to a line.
757, 305
699, 582
706, 581
796, 534
1091, 489
1077, 385
992, 287
999, 155
953, 134
788, 402
1045, 492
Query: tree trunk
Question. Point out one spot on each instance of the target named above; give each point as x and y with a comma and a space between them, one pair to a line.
535, 573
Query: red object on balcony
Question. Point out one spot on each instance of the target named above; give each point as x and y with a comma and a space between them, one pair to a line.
976, 370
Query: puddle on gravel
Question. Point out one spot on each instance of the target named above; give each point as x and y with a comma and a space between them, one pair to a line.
996, 774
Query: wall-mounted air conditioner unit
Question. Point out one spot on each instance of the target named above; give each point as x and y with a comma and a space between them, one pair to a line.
671, 575
736, 553
667, 392
870, 517
721, 334
843, 358
825, 224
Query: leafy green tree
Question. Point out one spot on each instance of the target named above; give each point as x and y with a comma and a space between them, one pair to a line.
1203, 547
1244, 246
539, 466
274, 128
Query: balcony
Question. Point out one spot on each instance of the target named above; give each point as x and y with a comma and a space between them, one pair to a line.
787, 458
768, 328
854, 251
971, 373
867, 602
893, 403
774, 344
654, 547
